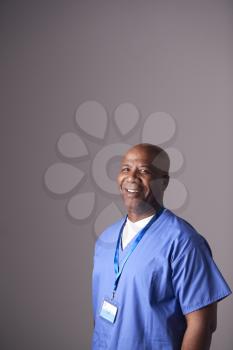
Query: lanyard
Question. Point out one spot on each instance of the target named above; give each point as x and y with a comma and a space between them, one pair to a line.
117, 269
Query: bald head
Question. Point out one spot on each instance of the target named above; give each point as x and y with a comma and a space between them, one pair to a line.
158, 157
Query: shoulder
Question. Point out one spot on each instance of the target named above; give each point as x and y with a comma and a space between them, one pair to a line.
183, 236
110, 235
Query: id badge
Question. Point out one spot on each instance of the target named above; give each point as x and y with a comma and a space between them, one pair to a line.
108, 311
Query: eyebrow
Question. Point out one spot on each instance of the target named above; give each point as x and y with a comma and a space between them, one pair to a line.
150, 166
140, 165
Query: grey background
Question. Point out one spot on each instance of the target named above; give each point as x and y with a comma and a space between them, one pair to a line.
172, 56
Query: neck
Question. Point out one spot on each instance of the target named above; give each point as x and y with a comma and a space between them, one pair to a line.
136, 216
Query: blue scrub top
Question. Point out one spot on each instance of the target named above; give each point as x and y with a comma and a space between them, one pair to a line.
169, 274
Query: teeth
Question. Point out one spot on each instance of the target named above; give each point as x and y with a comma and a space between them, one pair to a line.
132, 191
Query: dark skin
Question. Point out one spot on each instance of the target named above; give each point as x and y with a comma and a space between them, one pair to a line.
142, 184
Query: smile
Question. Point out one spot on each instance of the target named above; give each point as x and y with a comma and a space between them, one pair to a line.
132, 190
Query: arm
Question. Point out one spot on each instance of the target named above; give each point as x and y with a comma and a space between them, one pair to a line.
200, 326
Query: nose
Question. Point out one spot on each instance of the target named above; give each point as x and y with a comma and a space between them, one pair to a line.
132, 176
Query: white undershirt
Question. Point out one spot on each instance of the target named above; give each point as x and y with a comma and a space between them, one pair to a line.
131, 229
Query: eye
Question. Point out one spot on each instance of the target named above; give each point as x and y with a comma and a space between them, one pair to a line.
145, 171
125, 169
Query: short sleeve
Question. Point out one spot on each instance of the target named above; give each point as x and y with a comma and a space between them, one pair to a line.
197, 280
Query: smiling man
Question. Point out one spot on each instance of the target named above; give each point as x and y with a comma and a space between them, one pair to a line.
155, 284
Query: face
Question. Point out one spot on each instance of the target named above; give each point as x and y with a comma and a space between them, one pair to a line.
140, 181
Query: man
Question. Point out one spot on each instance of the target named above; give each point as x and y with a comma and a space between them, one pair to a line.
155, 284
